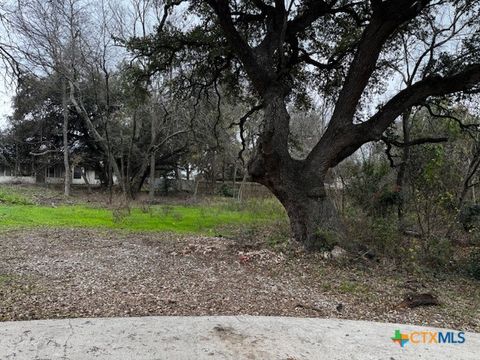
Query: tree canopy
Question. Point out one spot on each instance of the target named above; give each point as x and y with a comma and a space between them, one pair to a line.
283, 52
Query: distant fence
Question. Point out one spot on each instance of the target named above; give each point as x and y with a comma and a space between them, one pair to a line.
246, 190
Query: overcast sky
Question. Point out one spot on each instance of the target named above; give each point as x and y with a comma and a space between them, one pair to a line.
6, 91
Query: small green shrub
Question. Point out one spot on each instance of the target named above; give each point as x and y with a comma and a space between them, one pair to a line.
327, 238
146, 208
472, 265
120, 214
351, 287
268, 208
469, 217
385, 201
226, 190
177, 216
384, 238
6, 278
438, 252
275, 233
167, 210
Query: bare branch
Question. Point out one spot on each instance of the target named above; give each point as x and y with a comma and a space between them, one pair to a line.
419, 141
46, 152
241, 124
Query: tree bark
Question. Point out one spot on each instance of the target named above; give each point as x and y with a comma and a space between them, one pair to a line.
85, 179
472, 170
314, 219
297, 184
66, 160
402, 170
241, 188
315, 223
151, 193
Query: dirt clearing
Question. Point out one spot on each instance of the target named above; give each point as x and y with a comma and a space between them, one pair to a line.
49, 273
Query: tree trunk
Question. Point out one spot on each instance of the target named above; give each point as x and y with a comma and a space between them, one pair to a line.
314, 220
234, 185
402, 170
242, 187
298, 185
66, 160
85, 180
165, 184
151, 193
110, 181
472, 170
195, 191
315, 223
40, 174
136, 181
16, 170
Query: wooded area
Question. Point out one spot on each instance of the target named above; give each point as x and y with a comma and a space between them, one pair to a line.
353, 114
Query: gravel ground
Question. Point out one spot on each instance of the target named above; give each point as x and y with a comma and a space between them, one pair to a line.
59, 273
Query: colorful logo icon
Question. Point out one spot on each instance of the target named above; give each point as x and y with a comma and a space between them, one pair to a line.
400, 338
428, 337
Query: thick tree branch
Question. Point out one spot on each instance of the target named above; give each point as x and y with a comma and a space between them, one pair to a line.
387, 17
416, 94
259, 75
332, 149
313, 10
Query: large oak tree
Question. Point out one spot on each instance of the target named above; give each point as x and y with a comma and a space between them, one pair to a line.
278, 50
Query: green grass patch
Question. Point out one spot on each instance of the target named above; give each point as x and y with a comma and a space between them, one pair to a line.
5, 278
176, 218
350, 287
8, 196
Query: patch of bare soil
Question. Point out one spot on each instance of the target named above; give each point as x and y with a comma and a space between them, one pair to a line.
46, 273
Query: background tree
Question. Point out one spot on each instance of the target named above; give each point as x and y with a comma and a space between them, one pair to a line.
47, 34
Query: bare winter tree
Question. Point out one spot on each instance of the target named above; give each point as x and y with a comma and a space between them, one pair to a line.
7, 56
47, 36
419, 49
124, 101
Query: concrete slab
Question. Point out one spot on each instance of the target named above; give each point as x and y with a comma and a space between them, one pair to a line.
221, 337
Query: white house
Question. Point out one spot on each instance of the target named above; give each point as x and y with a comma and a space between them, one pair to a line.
7, 176
53, 175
